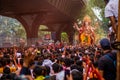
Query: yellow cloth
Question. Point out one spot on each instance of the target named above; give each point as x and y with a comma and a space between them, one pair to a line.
40, 78
85, 39
12, 69
1, 70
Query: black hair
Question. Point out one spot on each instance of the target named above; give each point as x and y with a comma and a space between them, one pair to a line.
77, 67
56, 67
73, 66
37, 71
47, 70
39, 63
76, 75
67, 62
76, 58
6, 70
46, 55
79, 63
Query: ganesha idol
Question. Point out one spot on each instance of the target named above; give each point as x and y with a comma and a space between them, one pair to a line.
86, 31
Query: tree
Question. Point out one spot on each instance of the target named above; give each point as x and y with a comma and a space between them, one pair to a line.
11, 28
64, 37
100, 5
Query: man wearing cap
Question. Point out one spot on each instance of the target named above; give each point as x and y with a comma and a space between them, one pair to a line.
106, 64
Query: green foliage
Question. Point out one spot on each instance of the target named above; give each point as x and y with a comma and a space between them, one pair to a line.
97, 3
10, 27
41, 33
100, 5
64, 37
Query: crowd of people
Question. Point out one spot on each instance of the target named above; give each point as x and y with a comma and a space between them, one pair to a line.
65, 62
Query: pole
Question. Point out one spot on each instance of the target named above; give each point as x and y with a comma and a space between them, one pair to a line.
118, 37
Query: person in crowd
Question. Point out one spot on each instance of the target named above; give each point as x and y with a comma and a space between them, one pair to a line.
58, 72
29, 56
106, 63
111, 12
76, 75
47, 75
47, 61
38, 73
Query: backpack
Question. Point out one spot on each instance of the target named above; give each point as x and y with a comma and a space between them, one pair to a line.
114, 61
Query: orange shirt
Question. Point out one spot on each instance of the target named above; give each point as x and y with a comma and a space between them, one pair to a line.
12, 69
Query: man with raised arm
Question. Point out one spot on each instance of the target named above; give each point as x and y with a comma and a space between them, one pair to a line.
111, 12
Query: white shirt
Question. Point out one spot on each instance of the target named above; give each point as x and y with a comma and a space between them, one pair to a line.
60, 75
110, 30
18, 55
47, 62
111, 9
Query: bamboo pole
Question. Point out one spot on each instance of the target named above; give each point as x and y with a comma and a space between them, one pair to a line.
118, 37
